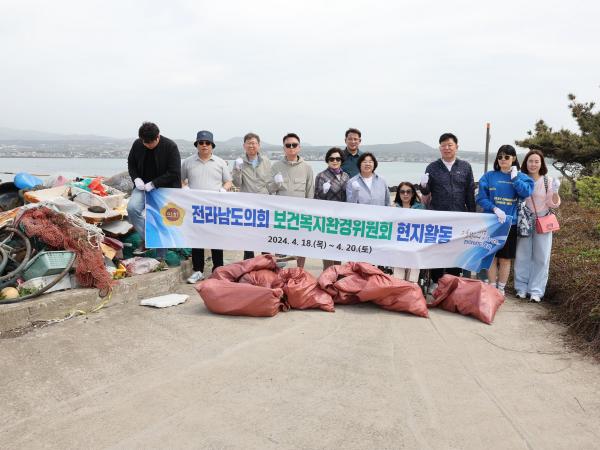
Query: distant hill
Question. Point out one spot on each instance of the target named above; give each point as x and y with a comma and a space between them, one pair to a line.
10, 134
30, 142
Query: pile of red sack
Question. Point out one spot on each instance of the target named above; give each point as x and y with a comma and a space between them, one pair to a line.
257, 287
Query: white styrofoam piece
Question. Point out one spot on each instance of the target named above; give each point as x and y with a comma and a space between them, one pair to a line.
165, 300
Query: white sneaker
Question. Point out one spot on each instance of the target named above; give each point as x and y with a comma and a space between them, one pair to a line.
535, 298
195, 277
502, 291
522, 295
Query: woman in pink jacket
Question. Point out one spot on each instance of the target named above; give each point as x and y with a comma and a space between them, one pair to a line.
532, 260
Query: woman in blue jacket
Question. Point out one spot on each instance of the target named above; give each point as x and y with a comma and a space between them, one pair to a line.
499, 193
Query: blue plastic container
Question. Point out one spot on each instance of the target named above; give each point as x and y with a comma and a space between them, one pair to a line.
24, 180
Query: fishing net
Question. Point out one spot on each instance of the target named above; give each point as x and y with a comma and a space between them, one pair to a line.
67, 232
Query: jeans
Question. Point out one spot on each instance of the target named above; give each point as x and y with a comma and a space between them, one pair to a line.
135, 215
532, 262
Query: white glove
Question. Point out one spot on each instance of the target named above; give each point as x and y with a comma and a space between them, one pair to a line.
239, 163
278, 178
139, 184
185, 186
513, 172
501, 215
555, 185
149, 186
424, 179
355, 185
326, 187
222, 190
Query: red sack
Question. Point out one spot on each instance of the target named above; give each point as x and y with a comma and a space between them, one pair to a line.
240, 299
303, 291
264, 277
342, 283
233, 272
467, 297
395, 295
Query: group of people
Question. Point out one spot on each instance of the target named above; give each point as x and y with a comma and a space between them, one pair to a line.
350, 176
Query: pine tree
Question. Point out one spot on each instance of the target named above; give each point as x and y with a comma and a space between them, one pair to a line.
574, 154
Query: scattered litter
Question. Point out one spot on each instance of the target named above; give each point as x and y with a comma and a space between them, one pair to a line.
165, 300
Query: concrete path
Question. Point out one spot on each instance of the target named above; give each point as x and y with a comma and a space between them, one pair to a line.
136, 377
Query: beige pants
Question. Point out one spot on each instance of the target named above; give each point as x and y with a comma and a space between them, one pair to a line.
411, 275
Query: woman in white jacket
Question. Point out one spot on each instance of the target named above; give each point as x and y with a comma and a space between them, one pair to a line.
532, 259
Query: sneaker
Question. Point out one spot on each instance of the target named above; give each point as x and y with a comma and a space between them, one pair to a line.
432, 287
195, 277
522, 295
535, 298
501, 290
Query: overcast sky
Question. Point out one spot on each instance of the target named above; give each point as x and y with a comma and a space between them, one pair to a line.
397, 70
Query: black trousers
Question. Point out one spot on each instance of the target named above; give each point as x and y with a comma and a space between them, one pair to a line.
198, 259
249, 254
436, 274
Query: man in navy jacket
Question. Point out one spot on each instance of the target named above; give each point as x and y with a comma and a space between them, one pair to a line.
450, 183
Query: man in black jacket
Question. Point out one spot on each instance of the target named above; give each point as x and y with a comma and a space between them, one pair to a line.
153, 162
450, 183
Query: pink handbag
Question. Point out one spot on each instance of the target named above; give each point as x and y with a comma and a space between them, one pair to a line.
546, 224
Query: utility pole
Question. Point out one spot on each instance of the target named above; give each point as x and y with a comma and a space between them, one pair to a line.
487, 146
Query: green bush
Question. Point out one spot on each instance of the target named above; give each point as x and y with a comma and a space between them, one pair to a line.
589, 191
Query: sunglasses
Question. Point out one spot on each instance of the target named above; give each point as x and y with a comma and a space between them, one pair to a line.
334, 158
291, 145
407, 191
505, 157
204, 143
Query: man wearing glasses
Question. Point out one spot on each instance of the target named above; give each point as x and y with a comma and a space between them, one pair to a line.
351, 152
252, 172
450, 183
208, 172
292, 175
153, 162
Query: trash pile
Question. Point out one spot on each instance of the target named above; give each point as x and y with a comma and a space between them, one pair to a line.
257, 287
65, 232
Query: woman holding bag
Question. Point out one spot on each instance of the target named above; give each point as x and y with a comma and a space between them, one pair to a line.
532, 260
499, 193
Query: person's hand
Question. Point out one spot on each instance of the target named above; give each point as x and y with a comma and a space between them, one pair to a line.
326, 187
149, 186
185, 186
513, 172
355, 185
424, 179
278, 178
239, 163
555, 185
222, 189
501, 215
139, 184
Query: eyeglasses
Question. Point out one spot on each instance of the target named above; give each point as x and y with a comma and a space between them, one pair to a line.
505, 157
291, 145
204, 143
407, 191
334, 158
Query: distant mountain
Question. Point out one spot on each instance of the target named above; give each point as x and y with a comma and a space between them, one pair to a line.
10, 134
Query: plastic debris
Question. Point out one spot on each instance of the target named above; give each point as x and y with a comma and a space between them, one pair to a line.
164, 301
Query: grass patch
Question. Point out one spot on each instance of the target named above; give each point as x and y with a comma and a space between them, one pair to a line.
574, 281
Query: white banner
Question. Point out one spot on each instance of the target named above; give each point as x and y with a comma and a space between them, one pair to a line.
397, 237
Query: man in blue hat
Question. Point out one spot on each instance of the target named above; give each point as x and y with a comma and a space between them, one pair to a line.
206, 171
153, 162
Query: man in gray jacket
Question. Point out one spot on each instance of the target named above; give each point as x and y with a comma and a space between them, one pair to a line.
252, 172
292, 175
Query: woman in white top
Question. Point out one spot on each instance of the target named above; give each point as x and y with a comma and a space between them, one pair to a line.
532, 259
